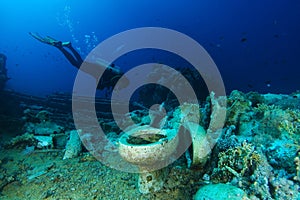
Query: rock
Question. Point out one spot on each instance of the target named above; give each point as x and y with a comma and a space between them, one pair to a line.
220, 192
73, 147
44, 141
44, 128
22, 141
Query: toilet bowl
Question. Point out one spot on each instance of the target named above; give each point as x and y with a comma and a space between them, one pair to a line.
146, 146
150, 149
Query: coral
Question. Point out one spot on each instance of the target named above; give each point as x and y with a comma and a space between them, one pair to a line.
276, 121
22, 141
236, 162
282, 188
281, 154
237, 105
259, 180
294, 126
266, 183
276, 130
283, 101
228, 139
257, 118
255, 98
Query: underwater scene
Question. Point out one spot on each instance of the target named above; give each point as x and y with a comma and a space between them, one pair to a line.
146, 100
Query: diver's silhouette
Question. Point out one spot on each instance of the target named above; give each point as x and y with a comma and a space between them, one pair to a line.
111, 75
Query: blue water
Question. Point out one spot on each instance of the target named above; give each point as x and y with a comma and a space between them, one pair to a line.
255, 44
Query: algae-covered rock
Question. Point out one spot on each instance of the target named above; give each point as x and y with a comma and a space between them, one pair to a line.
43, 128
44, 141
21, 141
73, 147
220, 192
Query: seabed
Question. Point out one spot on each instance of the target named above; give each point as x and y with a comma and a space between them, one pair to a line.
256, 157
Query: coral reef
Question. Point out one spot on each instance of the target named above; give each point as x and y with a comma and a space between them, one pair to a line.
273, 130
281, 154
239, 162
237, 105
276, 121
256, 155
259, 186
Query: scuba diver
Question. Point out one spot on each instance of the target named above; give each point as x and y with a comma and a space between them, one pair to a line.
111, 75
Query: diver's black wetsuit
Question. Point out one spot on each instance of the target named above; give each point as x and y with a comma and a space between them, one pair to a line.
74, 59
110, 76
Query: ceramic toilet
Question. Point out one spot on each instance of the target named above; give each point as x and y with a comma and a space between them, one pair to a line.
150, 149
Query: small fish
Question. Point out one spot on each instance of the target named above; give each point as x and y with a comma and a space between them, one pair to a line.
243, 39
268, 83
